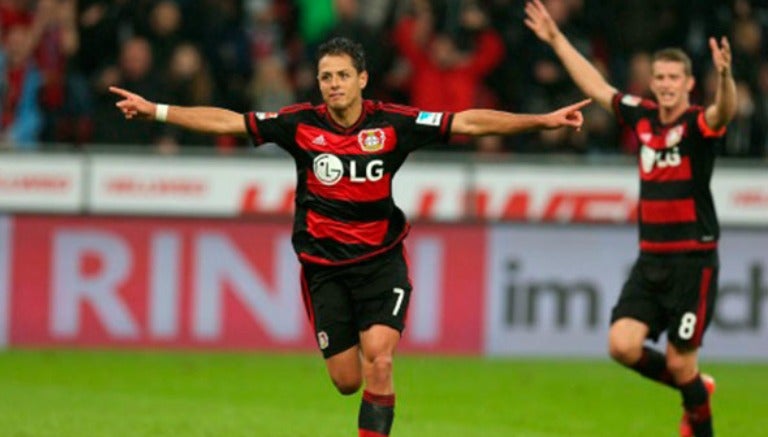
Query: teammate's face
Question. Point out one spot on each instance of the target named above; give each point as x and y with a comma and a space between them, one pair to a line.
670, 84
340, 84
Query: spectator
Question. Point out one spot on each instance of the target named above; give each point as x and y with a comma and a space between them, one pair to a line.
187, 80
20, 113
64, 97
164, 32
443, 76
271, 87
134, 71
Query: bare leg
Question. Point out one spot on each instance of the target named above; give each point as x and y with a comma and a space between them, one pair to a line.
345, 370
377, 408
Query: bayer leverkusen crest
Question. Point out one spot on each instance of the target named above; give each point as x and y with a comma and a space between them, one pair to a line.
371, 140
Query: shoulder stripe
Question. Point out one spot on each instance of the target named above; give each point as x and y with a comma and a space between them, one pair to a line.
399, 109
296, 108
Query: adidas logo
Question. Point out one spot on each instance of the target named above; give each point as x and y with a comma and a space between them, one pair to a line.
319, 140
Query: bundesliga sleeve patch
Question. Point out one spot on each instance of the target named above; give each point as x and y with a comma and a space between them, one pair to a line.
266, 115
631, 100
429, 118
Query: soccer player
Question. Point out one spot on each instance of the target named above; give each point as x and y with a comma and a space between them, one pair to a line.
673, 284
347, 231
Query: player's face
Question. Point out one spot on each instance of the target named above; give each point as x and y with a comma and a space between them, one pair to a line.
670, 84
340, 84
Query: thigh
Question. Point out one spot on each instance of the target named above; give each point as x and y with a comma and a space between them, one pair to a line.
330, 312
692, 302
640, 298
381, 294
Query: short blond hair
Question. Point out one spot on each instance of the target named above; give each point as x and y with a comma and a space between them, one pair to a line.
675, 55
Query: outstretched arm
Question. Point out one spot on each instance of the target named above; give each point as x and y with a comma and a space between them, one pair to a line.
722, 110
202, 119
586, 76
489, 122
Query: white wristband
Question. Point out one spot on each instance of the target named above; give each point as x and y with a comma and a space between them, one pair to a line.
161, 113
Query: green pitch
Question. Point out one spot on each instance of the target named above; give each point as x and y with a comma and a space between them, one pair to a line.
74, 393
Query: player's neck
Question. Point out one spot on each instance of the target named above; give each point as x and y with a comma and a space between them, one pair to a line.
669, 115
348, 116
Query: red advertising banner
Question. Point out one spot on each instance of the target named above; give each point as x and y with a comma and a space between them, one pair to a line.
219, 284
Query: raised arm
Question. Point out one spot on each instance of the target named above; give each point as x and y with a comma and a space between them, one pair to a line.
204, 119
584, 74
722, 110
477, 122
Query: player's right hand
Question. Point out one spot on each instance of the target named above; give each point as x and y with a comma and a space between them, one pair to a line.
133, 105
540, 22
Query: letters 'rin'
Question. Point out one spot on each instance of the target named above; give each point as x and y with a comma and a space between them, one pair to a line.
371, 140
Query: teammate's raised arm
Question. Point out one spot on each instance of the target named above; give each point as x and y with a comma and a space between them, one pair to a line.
722, 110
204, 119
489, 122
586, 76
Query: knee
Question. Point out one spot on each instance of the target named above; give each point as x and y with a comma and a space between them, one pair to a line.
382, 364
624, 350
381, 367
682, 367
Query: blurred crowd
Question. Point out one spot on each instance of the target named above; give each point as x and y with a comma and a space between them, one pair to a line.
58, 57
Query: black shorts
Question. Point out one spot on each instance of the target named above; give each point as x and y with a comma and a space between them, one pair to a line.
343, 301
675, 293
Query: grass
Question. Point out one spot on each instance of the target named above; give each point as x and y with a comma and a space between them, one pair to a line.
103, 393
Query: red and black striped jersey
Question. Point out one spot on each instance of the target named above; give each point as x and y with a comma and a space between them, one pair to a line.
344, 207
676, 211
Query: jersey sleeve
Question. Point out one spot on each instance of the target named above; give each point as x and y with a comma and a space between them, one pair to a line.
705, 130
629, 108
271, 127
421, 128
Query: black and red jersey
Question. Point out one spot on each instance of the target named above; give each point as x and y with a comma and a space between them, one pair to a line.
344, 207
676, 211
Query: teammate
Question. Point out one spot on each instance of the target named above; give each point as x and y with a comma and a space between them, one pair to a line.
673, 283
347, 230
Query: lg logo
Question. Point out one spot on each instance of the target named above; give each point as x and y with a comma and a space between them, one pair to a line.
329, 170
650, 158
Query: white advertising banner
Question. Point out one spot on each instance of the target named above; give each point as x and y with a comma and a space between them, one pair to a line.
555, 193
431, 190
41, 183
232, 187
741, 196
191, 186
551, 290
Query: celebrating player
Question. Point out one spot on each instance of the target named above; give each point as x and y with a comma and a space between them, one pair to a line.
673, 283
347, 230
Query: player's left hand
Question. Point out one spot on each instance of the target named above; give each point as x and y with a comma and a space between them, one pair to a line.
721, 55
537, 19
567, 116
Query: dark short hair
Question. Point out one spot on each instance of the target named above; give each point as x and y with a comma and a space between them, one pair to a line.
675, 55
343, 46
